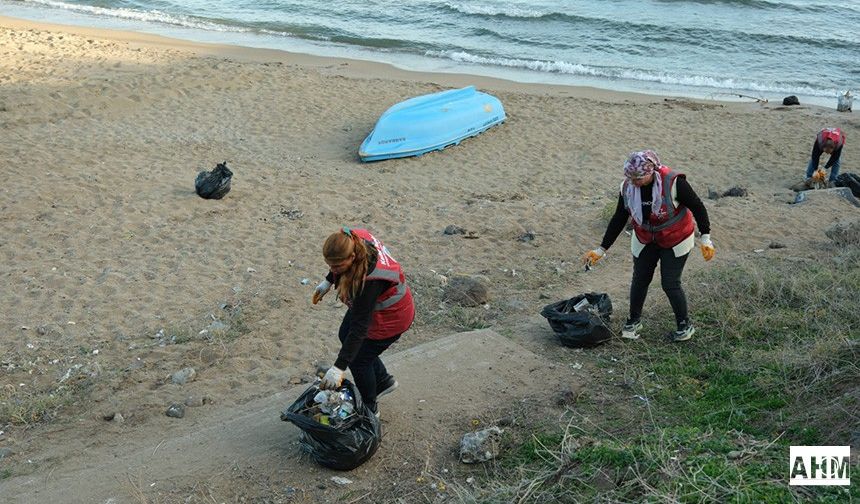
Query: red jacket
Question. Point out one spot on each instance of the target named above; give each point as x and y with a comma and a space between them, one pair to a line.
394, 310
670, 227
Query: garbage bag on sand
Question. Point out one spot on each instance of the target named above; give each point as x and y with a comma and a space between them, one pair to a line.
338, 430
851, 181
214, 184
581, 321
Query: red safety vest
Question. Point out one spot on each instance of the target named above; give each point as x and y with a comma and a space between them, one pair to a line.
834, 134
673, 225
394, 310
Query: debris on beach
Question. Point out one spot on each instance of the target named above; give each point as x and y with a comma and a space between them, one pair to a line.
480, 446
214, 184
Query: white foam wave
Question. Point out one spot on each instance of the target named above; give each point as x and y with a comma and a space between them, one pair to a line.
494, 10
563, 67
153, 16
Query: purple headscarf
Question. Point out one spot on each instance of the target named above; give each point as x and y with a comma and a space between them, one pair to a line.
641, 164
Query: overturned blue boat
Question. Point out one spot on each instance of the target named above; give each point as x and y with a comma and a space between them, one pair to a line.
431, 122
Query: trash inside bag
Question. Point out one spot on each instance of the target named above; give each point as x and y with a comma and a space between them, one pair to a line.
580, 321
214, 184
338, 430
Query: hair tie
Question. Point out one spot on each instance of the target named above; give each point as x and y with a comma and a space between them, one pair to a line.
347, 231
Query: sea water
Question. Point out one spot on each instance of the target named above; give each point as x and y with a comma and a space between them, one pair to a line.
701, 48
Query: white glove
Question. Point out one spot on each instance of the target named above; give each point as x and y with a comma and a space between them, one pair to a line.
332, 379
320, 291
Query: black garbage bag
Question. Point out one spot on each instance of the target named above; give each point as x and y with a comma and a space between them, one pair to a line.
849, 180
790, 100
586, 328
343, 447
214, 184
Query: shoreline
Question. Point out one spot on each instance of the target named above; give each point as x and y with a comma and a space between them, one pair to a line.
367, 69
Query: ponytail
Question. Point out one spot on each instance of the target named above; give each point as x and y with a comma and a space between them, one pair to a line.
338, 247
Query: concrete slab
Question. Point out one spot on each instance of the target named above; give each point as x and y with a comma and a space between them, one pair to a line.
462, 375
812, 194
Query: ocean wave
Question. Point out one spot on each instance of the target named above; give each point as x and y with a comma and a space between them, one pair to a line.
577, 69
150, 16
651, 31
519, 12
508, 11
771, 5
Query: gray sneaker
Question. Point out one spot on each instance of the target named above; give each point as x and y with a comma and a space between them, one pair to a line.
631, 329
684, 333
386, 387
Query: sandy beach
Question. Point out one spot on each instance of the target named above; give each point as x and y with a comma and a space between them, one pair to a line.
115, 270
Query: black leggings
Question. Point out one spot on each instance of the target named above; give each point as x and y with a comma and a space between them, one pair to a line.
671, 268
367, 368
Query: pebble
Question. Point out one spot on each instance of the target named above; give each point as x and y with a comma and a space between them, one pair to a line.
526, 237
175, 410
183, 376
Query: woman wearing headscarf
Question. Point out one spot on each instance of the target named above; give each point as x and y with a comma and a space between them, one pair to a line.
662, 205
380, 309
829, 141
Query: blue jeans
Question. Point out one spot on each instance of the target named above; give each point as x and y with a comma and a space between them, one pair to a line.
834, 170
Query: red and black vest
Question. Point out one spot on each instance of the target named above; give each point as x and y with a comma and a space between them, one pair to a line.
834, 134
394, 310
673, 224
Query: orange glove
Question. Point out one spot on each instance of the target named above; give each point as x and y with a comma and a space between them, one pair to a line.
819, 175
708, 250
592, 256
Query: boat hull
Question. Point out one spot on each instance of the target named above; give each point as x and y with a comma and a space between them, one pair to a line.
431, 122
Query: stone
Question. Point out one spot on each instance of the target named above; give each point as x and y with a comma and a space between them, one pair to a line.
183, 376
790, 100
776, 245
526, 237
845, 234
6, 452
453, 230
175, 410
480, 446
735, 192
467, 290
568, 395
